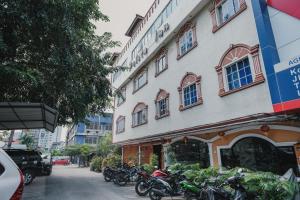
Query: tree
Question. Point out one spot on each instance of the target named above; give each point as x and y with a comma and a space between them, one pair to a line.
106, 147
49, 53
28, 140
56, 153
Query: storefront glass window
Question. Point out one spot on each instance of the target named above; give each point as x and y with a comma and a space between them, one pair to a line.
260, 155
190, 151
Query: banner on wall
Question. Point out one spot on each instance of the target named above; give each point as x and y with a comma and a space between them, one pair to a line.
290, 7
288, 79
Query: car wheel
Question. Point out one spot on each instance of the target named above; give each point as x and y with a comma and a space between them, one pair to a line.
28, 177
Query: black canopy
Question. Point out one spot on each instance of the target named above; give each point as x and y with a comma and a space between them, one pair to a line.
27, 116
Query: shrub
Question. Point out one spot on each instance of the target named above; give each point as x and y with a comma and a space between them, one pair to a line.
154, 160
96, 164
148, 168
111, 161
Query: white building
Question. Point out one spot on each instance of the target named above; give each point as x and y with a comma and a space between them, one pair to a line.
197, 89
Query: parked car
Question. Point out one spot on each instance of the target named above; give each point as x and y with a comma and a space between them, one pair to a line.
61, 161
30, 163
11, 178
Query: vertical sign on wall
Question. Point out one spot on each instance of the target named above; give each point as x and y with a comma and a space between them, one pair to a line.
288, 80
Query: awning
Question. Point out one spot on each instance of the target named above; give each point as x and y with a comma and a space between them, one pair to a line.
27, 116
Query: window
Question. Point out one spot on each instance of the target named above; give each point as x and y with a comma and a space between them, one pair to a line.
259, 155
121, 96
190, 95
93, 125
227, 9
239, 74
140, 81
162, 104
120, 125
186, 39
223, 11
91, 140
190, 91
161, 62
240, 68
139, 115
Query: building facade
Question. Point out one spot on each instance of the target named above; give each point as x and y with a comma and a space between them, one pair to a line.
90, 132
199, 88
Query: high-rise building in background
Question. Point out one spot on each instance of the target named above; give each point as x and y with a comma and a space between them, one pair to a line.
90, 132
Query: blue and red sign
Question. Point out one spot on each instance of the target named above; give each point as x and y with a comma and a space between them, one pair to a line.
288, 80
290, 7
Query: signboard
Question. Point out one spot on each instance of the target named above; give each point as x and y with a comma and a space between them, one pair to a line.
288, 79
290, 7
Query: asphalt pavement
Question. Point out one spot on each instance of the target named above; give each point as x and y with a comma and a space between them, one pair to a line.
73, 183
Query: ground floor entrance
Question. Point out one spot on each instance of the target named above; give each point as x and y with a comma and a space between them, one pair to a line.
273, 148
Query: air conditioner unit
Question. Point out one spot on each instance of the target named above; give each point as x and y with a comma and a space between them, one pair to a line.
166, 27
145, 51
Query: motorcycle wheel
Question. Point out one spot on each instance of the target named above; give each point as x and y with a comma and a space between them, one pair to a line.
154, 196
121, 180
141, 188
107, 178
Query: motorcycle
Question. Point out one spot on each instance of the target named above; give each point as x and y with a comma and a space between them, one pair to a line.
143, 185
167, 187
127, 175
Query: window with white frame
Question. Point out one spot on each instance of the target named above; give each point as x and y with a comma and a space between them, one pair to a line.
120, 125
239, 74
186, 42
227, 9
161, 61
190, 94
190, 91
162, 104
140, 115
140, 80
186, 39
121, 96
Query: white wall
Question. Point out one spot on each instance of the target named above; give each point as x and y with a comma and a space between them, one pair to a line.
286, 32
201, 61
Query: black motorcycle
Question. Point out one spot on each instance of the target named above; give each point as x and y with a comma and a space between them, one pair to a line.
166, 187
123, 176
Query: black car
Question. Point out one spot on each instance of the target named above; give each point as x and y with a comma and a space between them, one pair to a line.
30, 163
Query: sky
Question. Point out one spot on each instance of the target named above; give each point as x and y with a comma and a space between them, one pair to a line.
121, 14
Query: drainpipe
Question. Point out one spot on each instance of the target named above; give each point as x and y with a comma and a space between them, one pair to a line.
139, 155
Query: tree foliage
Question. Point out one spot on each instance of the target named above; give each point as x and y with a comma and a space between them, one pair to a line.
28, 140
106, 147
49, 53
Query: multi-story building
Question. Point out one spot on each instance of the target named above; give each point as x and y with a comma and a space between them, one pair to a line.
90, 132
201, 84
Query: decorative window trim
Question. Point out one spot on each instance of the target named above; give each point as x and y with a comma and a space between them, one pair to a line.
185, 28
140, 106
120, 118
184, 83
230, 56
137, 89
213, 14
162, 94
161, 53
124, 89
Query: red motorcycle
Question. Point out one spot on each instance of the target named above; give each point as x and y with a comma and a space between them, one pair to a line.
145, 181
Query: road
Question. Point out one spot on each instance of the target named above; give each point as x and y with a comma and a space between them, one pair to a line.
73, 183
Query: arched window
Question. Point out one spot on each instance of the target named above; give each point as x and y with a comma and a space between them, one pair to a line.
120, 124
223, 11
190, 151
161, 61
239, 68
140, 115
190, 91
186, 39
162, 104
259, 154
